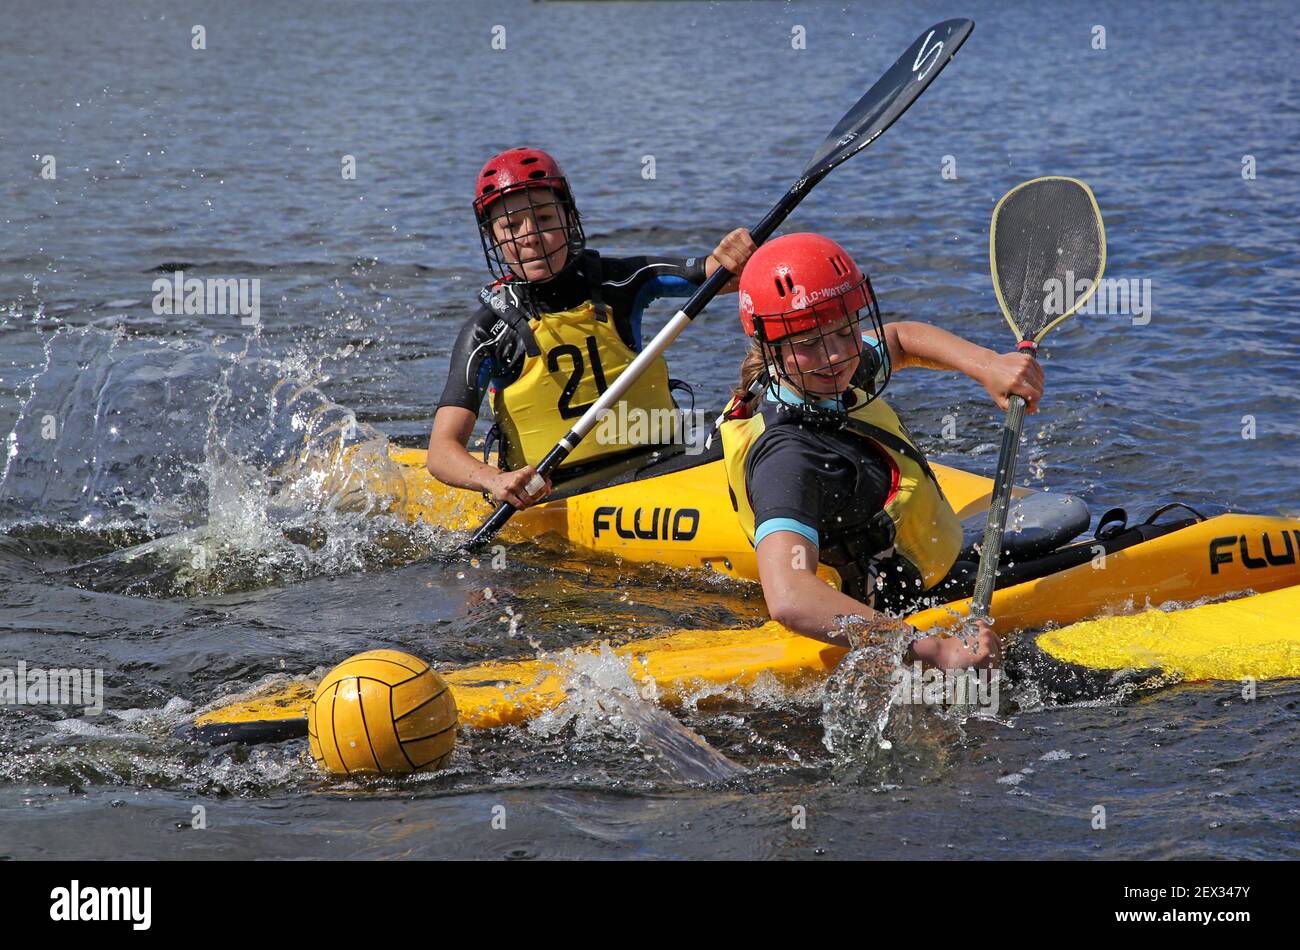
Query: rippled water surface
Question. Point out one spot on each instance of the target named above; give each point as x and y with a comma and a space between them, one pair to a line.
149, 530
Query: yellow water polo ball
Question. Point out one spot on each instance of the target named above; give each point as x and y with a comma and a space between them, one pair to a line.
382, 712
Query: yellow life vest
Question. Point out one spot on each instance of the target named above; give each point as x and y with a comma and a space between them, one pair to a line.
926, 531
577, 354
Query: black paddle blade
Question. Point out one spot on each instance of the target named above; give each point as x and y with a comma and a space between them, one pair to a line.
1047, 251
891, 96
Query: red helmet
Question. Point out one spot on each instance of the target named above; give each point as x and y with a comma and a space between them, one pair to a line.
807, 284
516, 169
521, 170
798, 282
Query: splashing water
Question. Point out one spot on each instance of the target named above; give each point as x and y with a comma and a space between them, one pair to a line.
236, 474
872, 726
602, 698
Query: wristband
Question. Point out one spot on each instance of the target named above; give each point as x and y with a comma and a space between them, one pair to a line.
697, 269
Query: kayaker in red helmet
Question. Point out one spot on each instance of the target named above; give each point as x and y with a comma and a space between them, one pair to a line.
821, 469
559, 323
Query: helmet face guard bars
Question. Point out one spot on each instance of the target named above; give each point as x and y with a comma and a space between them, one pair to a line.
807, 350
539, 209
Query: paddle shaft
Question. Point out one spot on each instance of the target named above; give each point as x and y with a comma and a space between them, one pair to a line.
703, 295
991, 548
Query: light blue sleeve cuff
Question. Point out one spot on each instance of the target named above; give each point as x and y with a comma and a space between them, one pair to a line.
871, 341
785, 524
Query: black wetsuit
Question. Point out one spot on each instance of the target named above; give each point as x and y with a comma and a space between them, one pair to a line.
489, 352
827, 485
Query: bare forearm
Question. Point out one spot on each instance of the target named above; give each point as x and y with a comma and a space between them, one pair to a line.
931, 347
810, 606
450, 463
815, 611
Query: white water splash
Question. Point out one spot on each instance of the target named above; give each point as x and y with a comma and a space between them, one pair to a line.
602, 698
245, 474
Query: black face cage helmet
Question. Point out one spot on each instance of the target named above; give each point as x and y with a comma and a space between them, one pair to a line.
559, 197
874, 368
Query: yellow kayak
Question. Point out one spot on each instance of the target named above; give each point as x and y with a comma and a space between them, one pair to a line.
673, 510
1182, 561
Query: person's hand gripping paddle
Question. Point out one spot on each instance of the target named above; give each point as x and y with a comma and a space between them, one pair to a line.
875, 112
1047, 251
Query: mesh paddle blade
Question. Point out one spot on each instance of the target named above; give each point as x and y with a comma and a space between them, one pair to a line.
1047, 251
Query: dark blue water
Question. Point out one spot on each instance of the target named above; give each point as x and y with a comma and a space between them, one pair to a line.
166, 429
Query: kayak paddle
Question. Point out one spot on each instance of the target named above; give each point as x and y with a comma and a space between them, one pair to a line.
1046, 236
875, 112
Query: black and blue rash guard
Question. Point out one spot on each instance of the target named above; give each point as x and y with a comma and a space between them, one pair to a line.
809, 479
489, 352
